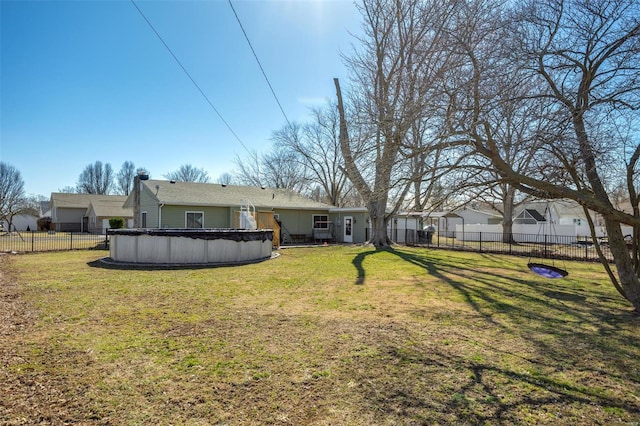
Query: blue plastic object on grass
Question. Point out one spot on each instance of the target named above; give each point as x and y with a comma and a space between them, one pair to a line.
547, 271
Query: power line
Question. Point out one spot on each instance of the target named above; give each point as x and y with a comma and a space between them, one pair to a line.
190, 77
259, 64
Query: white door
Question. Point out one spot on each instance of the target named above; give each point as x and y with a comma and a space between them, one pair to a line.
348, 229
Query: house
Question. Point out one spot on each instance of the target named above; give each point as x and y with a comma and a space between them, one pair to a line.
70, 211
27, 221
172, 204
530, 217
100, 210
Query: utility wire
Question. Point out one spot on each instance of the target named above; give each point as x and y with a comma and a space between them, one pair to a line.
259, 64
190, 77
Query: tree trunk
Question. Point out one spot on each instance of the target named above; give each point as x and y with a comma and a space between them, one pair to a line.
376, 200
379, 221
507, 215
629, 280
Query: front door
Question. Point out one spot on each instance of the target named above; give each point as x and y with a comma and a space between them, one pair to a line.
348, 229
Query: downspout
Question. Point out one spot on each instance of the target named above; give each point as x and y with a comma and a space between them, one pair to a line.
160, 206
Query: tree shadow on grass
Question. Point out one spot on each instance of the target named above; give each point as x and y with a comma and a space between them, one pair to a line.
462, 391
562, 330
358, 261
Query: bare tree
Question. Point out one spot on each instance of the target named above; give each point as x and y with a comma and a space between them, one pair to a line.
317, 145
95, 179
188, 173
394, 71
279, 168
584, 56
68, 190
125, 177
13, 200
226, 179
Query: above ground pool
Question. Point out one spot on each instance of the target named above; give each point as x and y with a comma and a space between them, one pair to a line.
189, 246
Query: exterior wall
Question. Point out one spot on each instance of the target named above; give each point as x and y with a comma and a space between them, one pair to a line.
214, 217
68, 219
532, 232
298, 222
474, 217
359, 229
150, 205
21, 223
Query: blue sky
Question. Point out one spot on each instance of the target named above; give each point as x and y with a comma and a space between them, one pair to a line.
83, 81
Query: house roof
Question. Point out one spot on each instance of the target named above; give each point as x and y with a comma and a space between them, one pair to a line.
437, 215
536, 215
110, 208
210, 194
79, 201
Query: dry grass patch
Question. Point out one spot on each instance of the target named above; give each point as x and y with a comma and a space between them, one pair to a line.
337, 335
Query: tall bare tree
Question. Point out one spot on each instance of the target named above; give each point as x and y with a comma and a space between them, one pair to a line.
393, 73
126, 176
317, 145
96, 178
585, 57
278, 168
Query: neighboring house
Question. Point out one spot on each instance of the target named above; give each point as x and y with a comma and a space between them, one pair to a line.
562, 218
476, 216
171, 204
22, 222
70, 212
101, 210
530, 217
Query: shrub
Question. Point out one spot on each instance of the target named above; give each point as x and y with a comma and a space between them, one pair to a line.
44, 224
116, 223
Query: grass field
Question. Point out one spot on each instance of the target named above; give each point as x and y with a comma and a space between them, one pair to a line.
323, 336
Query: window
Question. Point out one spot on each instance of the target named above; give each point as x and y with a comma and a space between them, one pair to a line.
194, 219
143, 219
320, 221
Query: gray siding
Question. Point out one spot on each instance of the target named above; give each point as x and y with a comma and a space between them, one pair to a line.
149, 204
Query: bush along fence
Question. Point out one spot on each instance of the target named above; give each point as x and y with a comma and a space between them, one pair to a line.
35, 241
532, 245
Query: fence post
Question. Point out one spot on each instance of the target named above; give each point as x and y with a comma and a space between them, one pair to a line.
586, 252
480, 241
71, 240
33, 247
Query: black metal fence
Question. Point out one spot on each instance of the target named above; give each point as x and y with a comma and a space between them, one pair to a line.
35, 241
529, 245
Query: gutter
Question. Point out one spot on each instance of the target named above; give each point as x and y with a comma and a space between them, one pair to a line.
160, 206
